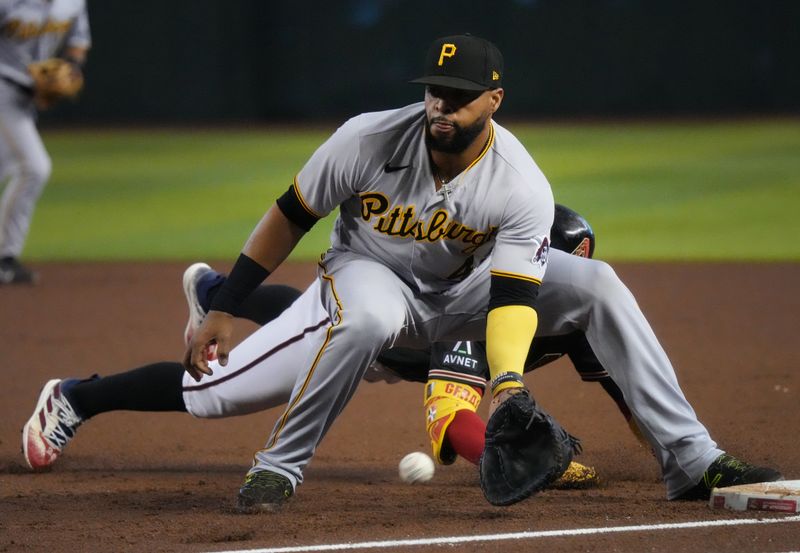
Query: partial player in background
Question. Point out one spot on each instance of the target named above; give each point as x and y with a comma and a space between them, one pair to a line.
43, 44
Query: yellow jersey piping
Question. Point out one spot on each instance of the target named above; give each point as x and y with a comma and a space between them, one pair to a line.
486, 147
338, 319
303, 201
517, 276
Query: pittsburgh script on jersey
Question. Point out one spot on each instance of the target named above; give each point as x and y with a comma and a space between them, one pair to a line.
24, 30
402, 221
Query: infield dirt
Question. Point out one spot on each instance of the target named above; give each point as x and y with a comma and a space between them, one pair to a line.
166, 482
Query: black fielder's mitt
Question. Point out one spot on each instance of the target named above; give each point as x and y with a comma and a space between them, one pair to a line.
526, 450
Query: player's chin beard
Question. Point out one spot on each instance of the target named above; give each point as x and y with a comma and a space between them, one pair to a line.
461, 139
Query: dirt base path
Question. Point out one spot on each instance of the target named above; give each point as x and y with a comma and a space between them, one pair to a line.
166, 482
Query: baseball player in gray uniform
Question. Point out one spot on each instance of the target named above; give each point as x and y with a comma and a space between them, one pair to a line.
436, 203
30, 31
442, 235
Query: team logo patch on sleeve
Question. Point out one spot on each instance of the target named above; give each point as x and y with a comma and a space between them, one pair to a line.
541, 254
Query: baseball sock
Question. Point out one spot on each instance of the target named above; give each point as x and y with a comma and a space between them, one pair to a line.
466, 435
154, 387
207, 287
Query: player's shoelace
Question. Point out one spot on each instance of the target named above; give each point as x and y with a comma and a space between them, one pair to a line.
733, 463
58, 419
728, 470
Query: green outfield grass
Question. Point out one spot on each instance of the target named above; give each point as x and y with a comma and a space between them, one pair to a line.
652, 191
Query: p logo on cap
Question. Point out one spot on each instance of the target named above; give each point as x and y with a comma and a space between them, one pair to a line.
448, 51
464, 62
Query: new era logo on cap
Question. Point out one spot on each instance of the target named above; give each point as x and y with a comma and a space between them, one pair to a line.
463, 61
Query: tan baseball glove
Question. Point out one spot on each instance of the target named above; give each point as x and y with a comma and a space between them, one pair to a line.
55, 79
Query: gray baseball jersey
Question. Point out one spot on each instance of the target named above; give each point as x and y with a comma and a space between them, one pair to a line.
377, 169
34, 30
30, 30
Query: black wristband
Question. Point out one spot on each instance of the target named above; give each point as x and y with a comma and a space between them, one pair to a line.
245, 277
502, 378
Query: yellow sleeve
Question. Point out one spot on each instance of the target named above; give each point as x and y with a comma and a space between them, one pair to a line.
509, 333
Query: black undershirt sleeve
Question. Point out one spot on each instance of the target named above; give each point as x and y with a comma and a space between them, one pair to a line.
292, 207
512, 291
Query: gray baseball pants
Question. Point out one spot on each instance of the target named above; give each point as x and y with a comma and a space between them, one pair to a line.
24, 167
314, 355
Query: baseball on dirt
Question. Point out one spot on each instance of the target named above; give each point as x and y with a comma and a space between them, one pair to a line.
416, 468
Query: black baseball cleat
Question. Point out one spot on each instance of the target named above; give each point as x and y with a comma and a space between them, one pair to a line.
14, 272
264, 492
725, 471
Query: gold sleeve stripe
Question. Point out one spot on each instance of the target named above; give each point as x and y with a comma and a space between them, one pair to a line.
303, 201
518, 276
335, 323
486, 147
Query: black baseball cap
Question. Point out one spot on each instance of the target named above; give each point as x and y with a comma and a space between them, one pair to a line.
465, 62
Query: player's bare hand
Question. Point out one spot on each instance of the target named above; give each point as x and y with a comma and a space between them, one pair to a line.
214, 333
501, 396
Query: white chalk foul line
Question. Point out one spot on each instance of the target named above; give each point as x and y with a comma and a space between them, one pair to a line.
453, 540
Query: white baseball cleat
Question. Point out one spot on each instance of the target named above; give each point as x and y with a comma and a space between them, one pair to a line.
51, 427
191, 276
196, 314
